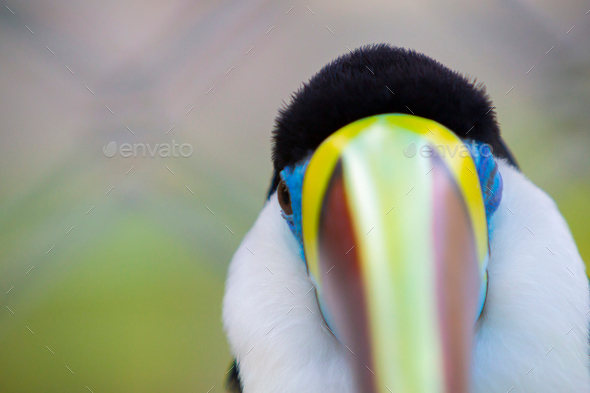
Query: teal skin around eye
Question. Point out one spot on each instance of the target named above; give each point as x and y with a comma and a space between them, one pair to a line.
489, 177
490, 180
293, 178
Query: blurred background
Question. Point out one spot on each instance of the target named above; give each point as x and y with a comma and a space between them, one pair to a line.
112, 269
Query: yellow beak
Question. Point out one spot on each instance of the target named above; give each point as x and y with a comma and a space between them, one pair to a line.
395, 238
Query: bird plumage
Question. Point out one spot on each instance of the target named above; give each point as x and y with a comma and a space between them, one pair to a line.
532, 335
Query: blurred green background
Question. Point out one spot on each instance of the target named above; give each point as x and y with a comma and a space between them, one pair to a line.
129, 295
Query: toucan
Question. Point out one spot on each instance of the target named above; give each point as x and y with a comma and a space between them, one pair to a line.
401, 249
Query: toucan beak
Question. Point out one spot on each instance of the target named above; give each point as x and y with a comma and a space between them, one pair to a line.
397, 245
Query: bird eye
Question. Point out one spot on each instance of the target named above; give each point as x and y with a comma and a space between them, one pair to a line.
284, 198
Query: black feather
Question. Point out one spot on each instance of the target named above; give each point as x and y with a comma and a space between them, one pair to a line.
378, 79
233, 383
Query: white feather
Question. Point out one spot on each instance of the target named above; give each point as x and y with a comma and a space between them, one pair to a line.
533, 300
533, 334
272, 319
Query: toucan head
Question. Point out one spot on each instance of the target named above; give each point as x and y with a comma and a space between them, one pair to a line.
384, 170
